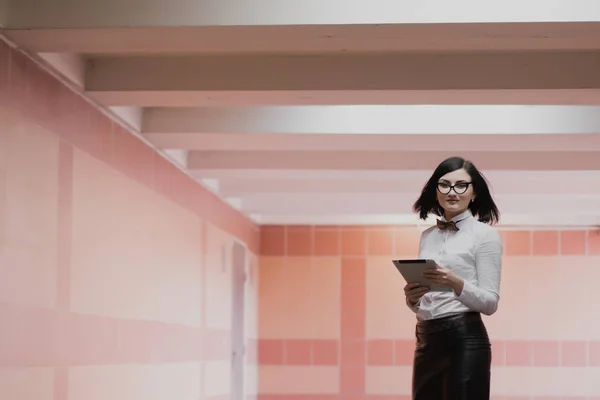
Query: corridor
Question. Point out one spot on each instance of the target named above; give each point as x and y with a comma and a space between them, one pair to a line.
203, 199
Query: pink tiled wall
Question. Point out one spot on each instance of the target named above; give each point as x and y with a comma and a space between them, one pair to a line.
333, 323
112, 278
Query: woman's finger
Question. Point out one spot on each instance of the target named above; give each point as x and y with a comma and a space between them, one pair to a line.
417, 292
433, 272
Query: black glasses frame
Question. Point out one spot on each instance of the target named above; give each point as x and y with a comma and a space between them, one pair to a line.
453, 187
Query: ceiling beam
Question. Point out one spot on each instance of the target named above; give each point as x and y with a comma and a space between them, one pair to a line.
246, 98
565, 178
29, 14
390, 120
374, 142
312, 38
375, 160
438, 78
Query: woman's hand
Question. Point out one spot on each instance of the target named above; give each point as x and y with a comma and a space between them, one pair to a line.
414, 292
443, 277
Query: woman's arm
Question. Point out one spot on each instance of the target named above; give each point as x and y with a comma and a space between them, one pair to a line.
488, 263
413, 307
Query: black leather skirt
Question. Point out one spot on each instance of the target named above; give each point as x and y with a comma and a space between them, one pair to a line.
452, 359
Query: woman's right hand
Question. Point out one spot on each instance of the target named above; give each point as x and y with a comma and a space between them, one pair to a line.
414, 291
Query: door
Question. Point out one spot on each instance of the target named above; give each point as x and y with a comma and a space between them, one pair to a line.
238, 272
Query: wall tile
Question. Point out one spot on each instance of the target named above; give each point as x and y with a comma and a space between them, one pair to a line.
271, 352
406, 242
380, 352
380, 241
325, 289
272, 240
546, 354
352, 380
298, 352
326, 352
404, 352
519, 353
574, 354
498, 352
518, 243
594, 242
354, 352
299, 240
594, 353
327, 241
572, 242
354, 241
353, 270
545, 243
353, 311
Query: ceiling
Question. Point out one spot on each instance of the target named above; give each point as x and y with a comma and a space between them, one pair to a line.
336, 112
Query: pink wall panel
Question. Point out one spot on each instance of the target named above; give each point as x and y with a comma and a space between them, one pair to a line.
546, 344
113, 281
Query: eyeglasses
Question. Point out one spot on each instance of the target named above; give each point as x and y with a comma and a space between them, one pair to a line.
459, 188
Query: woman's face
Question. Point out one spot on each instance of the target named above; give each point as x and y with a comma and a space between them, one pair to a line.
455, 192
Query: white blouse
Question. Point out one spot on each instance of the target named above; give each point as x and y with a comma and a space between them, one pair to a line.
473, 253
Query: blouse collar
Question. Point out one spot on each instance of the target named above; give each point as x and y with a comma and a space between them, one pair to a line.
464, 215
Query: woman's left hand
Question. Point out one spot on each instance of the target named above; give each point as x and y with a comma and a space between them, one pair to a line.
445, 278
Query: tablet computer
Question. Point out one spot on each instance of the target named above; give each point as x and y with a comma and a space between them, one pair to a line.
412, 271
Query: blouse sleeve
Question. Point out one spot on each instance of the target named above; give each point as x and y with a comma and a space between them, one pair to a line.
484, 296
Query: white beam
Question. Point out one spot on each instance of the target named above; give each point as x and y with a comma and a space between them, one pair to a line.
373, 142
71, 66
242, 98
313, 38
393, 175
178, 156
375, 160
128, 13
436, 77
380, 120
130, 114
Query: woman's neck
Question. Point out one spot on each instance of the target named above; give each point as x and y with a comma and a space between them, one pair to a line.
449, 216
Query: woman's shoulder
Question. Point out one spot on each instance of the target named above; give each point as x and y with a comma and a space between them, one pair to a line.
486, 232
427, 231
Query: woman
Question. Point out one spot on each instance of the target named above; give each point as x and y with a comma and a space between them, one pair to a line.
453, 352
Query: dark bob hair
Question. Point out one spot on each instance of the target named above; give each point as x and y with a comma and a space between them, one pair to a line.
483, 207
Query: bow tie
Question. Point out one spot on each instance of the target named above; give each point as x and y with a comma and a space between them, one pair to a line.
447, 226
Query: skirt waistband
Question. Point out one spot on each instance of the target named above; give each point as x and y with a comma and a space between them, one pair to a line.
446, 323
